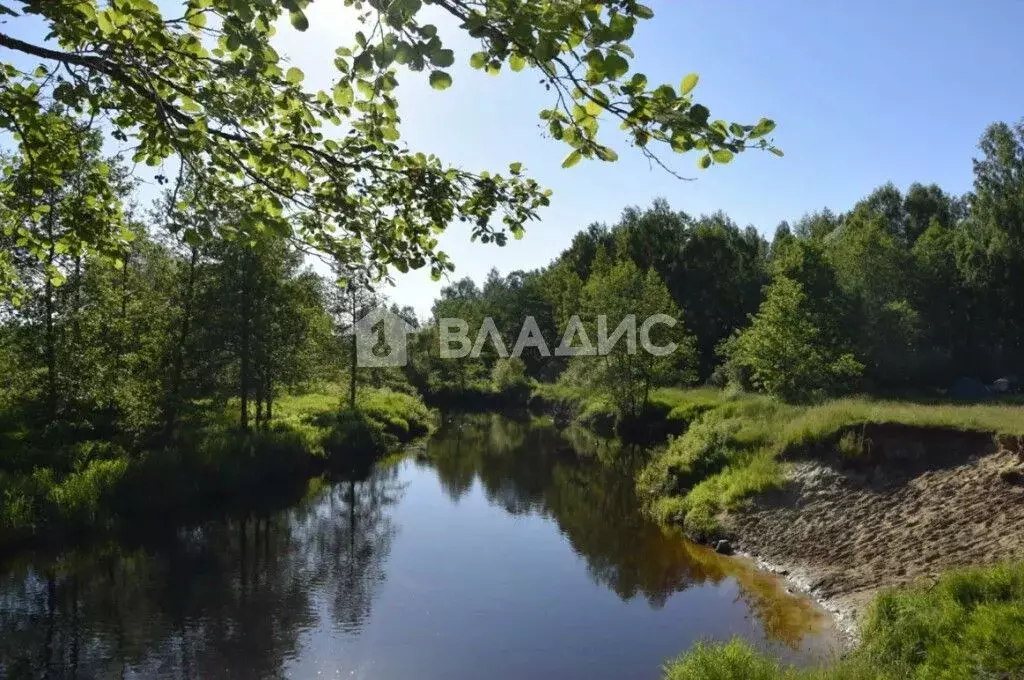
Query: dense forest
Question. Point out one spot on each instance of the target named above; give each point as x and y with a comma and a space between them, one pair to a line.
904, 293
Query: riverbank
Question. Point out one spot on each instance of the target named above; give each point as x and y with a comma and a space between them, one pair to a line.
852, 495
966, 624
868, 506
52, 491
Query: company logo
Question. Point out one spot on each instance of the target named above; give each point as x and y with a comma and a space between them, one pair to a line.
381, 339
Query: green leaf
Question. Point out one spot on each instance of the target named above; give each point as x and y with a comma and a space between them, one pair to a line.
689, 82
545, 50
403, 53
704, 162
644, 12
103, 20
443, 58
294, 75
365, 88
478, 60
572, 159
722, 155
615, 66
516, 167
299, 20
777, 152
343, 95
763, 127
517, 62
439, 80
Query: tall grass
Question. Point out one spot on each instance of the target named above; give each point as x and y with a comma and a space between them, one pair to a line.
969, 624
734, 448
90, 485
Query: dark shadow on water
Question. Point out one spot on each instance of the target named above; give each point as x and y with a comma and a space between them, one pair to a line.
585, 484
236, 596
225, 597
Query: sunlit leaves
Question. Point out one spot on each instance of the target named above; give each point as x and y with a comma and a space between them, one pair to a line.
763, 127
644, 12
572, 159
329, 167
299, 20
689, 82
440, 80
722, 155
343, 95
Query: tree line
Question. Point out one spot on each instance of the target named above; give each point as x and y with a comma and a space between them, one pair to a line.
128, 347
904, 292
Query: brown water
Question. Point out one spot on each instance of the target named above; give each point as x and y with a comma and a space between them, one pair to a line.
505, 549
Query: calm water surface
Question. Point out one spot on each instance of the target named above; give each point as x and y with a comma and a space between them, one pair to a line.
503, 550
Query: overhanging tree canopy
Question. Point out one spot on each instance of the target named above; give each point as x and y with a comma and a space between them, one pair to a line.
207, 87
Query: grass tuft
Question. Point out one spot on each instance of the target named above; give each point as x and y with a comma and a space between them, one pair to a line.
969, 624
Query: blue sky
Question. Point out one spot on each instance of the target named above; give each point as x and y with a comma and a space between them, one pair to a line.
863, 93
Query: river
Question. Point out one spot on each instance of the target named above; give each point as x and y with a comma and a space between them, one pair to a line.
502, 548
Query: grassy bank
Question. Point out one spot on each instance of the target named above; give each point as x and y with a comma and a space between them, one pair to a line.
735, 449
970, 624
670, 410
85, 486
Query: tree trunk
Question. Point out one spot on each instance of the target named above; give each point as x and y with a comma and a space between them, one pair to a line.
178, 367
352, 379
244, 387
268, 394
51, 338
119, 343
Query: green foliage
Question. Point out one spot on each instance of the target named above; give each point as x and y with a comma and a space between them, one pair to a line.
967, 624
627, 372
733, 660
94, 484
509, 377
786, 350
734, 450
209, 89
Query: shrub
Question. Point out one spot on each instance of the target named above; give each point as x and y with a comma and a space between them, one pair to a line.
82, 498
509, 374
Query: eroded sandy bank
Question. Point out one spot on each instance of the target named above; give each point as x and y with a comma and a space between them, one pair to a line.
914, 503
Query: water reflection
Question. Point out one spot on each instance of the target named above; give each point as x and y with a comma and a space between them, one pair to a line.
585, 484
204, 602
453, 565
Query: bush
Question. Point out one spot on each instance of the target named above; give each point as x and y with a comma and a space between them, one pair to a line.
786, 351
508, 374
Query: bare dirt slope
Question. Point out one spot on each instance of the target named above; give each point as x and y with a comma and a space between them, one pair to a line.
917, 502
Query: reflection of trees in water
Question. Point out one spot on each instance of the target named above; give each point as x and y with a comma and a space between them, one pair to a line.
529, 467
350, 540
230, 598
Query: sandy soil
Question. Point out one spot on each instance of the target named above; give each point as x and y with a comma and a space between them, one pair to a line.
921, 502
